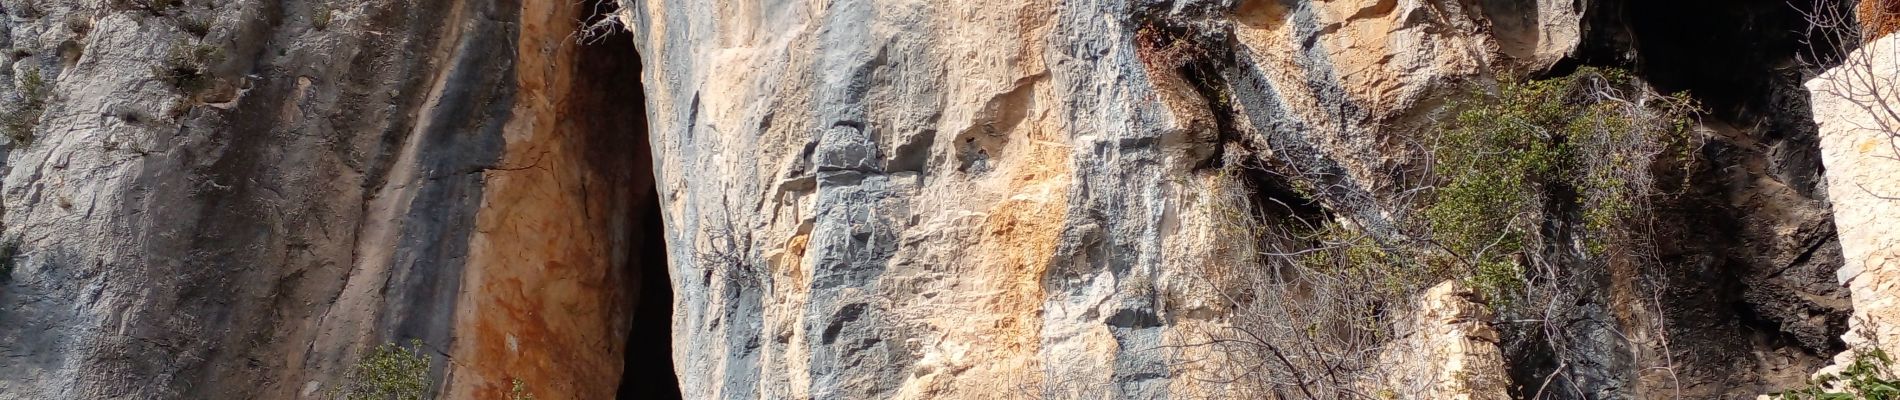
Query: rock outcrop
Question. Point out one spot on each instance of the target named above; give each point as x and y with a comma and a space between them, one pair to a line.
237, 199
1857, 143
884, 199
1449, 351
921, 199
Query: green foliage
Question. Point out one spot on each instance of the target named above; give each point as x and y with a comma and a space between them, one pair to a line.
8, 251
519, 391
1502, 155
389, 372
188, 67
23, 118
78, 24
1361, 274
195, 26
1870, 376
1355, 257
1497, 158
320, 16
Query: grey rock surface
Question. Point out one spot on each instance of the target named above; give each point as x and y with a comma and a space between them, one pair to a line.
861, 198
869, 156
248, 232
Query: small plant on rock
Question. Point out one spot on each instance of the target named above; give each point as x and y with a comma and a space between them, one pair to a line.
320, 16
19, 122
8, 251
195, 26
519, 390
1870, 376
388, 372
1595, 133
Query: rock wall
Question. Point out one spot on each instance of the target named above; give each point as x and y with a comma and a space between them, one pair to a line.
945, 200
1857, 143
1449, 351
918, 199
237, 199
849, 198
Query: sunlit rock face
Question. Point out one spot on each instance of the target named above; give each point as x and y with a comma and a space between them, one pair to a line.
240, 199
958, 199
926, 199
868, 198
1857, 143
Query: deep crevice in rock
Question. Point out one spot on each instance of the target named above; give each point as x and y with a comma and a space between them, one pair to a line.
1200, 52
1280, 201
610, 66
1747, 309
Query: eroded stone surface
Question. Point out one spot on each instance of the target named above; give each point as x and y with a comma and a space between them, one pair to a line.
1449, 350
862, 199
1857, 144
965, 199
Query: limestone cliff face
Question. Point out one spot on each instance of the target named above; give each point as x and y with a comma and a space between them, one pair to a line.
948, 200
914, 199
1857, 145
236, 199
865, 198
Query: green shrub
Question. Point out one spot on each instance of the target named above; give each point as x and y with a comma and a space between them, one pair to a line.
23, 118
1569, 157
388, 372
1870, 376
320, 16
519, 391
8, 252
1595, 133
1496, 160
195, 26
188, 67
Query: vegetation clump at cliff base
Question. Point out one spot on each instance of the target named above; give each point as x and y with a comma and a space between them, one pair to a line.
388, 372
20, 121
1520, 186
1579, 152
1870, 376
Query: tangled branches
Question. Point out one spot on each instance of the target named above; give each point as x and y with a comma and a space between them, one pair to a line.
1529, 186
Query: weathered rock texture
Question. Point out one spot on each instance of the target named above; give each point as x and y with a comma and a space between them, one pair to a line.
922, 199
853, 198
1450, 350
463, 173
1858, 145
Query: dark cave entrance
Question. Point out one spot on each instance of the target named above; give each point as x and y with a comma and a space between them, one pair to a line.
612, 94
1744, 60
1730, 295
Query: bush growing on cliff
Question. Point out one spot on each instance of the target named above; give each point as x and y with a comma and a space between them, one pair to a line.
321, 15
518, 390
188, 67
388, 372
1308, 294
8, 251
1519, 185
1590, 139
20, 121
